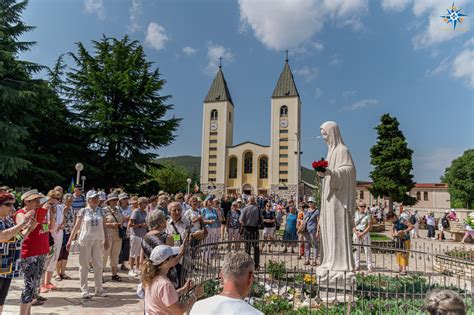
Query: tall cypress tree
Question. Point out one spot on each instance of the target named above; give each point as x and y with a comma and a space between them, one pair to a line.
16, 89
392, 161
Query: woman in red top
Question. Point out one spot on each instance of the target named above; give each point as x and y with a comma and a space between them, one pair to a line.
34, 249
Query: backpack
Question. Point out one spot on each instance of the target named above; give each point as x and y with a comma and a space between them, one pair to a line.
412, 219
445, 222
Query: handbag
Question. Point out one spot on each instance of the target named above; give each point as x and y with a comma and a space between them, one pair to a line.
122, 232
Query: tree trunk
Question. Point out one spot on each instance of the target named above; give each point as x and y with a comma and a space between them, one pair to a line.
390, 204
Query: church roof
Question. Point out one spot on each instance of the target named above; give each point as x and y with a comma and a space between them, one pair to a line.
285, 86
219, 91
248, 142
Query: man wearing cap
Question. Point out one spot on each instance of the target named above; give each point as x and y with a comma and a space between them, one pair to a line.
250, 218
361, 229
34, 249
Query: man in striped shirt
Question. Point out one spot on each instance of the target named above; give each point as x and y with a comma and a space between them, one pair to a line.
79, 201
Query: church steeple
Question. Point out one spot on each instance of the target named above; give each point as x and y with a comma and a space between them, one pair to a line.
285, 86
219, 92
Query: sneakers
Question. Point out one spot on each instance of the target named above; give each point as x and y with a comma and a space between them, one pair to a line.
101, 294
132, 273
85, 296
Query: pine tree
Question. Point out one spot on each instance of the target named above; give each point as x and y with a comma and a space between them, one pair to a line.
16, 89
392, 161
116, 95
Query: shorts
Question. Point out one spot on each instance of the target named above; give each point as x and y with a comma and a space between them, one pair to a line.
135, 246
268, 231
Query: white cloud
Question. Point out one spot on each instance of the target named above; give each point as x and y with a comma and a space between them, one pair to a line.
443, 66
95, 7
156, 36
335, 61
318, 93
307, 73
395, 5
282, 24
214, 52
463, 67
362, 104
317, 45
436, 161
136, 11
189, 51
469, 42
349, 93
437, 31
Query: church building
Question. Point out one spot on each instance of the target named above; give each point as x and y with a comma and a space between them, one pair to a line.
249, 167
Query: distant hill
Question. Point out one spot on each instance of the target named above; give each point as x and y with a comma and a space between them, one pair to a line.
193, 165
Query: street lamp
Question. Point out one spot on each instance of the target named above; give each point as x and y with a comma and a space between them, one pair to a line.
189, 186
79, 167
83, 179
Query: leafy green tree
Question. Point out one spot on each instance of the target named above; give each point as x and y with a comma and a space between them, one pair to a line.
116, 95
16, 89
392, 162
170, 177
460, 179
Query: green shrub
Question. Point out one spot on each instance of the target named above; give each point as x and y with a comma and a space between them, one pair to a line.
276, 269
274, 305
211, 288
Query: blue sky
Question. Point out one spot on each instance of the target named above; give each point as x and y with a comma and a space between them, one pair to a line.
353, 60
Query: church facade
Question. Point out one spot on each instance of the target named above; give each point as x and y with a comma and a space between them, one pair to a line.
249, 167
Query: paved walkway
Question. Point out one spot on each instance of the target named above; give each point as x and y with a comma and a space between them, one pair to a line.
122, 297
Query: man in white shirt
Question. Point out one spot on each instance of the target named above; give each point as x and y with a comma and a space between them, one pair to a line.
238, 275
361, 229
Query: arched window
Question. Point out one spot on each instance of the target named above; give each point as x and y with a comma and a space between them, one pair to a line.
214, 114
425, 196
248, 163
418, 195
284, 111
233, 167
263, 167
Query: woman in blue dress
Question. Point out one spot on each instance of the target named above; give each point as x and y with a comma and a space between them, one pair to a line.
290, 229
213, 224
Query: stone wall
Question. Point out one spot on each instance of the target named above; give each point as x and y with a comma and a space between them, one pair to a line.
454, 267
288, 191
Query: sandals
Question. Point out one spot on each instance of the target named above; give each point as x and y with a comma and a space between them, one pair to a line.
66, 277
58, 278
116, 278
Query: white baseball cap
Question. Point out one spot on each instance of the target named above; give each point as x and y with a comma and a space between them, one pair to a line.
162, 252
102, 196
239, 200
311, 199
91, 194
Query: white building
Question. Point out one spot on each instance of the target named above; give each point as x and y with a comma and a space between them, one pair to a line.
249, 167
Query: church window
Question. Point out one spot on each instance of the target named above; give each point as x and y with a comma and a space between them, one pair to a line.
264, 167
283, 172
283, 139
361, 194
284, 155
248, 163
283, 130
418, 195
233, 167
425, 196
214, 114
284, 111
212, 172
213, 149
283, 163
283, 147
213, 133
284, 180
213, 141
212, 164
212, 156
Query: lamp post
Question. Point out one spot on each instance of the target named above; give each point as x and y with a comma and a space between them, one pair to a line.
188, 190
83, 179
79, 167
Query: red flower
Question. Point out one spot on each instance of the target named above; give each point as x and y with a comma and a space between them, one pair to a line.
320, 166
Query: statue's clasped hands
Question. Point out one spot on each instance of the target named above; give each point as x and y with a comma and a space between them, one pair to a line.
328, 172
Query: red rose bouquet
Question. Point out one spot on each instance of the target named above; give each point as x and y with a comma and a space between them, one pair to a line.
320, 166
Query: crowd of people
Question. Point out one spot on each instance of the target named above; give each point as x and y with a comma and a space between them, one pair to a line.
147, 237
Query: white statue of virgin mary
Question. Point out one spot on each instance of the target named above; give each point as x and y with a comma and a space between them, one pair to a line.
337, 207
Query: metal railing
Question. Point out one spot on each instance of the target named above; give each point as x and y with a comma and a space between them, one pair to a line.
284, 284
